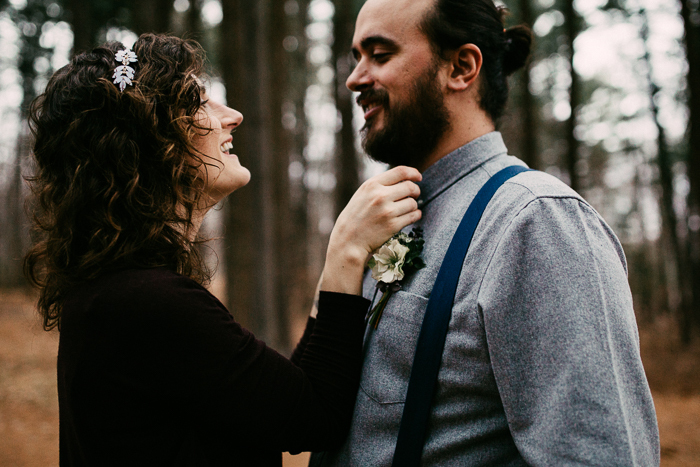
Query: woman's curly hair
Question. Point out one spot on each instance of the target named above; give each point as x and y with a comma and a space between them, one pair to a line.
117, 178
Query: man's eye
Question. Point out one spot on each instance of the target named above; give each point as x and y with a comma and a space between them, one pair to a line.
380, 57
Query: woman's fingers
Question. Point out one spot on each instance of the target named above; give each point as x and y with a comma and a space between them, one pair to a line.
404, 206
397, 199
409, 218
379, 193
381, 207
405, 189
392, 201
405, 212
398, 174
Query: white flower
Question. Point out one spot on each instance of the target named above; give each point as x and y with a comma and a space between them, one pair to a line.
387, 263
387, 266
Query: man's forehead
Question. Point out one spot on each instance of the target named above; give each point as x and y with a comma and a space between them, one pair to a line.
393, 19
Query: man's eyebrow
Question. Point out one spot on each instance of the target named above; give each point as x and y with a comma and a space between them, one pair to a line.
372, 41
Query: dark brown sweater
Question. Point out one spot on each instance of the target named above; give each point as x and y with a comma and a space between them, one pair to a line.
154, 371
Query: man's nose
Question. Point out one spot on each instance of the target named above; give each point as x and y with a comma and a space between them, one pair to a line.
360, 79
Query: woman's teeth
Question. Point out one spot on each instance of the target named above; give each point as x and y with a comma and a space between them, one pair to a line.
226, 147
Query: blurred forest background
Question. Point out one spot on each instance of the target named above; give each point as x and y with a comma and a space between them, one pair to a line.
609, 103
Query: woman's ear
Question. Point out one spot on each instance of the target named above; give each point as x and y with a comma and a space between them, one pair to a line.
465, 66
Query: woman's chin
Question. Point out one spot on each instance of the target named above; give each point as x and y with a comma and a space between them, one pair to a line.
242, 180
237, 180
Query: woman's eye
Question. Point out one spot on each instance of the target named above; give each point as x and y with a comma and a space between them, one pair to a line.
203, 103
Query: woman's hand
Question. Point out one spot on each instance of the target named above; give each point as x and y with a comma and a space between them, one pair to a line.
382, 206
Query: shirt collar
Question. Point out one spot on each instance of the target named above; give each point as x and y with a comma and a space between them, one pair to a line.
457, 164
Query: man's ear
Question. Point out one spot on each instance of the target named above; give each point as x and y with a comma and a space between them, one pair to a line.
465, 66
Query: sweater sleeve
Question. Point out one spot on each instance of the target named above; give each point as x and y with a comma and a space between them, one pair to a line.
303, 342
244, 391
563, 342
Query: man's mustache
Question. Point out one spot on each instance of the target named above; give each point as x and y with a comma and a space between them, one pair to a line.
375, 95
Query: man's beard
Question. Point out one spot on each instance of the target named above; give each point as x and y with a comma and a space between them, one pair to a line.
412, 129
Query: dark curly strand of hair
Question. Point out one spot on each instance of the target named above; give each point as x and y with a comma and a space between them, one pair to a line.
117, 178
452, 23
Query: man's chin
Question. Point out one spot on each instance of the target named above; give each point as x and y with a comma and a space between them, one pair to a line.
381, 150
372, 127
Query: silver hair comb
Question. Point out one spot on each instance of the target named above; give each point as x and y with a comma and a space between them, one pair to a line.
123, 74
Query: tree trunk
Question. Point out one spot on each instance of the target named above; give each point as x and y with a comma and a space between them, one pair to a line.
303, 280
19, 232
254, 293
572, 28
17, 228
529, 110
194, 20
347, 170
645, 272
284, 237
692, 47
83, 25
242, 233
670, 220
152, 16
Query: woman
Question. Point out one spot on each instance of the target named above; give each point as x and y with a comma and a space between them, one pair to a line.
152, 370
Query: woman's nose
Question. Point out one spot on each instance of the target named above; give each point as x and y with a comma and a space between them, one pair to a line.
232, 118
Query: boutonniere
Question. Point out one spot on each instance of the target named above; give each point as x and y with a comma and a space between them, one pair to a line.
399, 257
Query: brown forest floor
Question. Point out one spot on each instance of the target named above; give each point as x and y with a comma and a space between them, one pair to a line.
29, 410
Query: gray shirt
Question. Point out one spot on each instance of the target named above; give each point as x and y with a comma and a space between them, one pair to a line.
541, 363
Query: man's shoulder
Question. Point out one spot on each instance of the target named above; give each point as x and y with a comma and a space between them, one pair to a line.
536, 184
536, 203
533, 190
534, 206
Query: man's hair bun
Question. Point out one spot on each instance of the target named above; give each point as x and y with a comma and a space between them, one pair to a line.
453, 23
517, 48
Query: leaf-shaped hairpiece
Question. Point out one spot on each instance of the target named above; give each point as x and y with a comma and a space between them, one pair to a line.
123, 74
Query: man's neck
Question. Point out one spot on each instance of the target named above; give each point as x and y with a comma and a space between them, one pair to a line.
457, 136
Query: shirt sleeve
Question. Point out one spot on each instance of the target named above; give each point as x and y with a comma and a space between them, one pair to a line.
563, 342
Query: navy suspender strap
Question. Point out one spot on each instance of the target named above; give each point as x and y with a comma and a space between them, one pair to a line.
431, 340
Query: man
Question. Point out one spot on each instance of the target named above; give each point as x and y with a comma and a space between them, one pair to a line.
541, 362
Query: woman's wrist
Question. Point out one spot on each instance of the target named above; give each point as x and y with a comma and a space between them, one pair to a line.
344, 270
